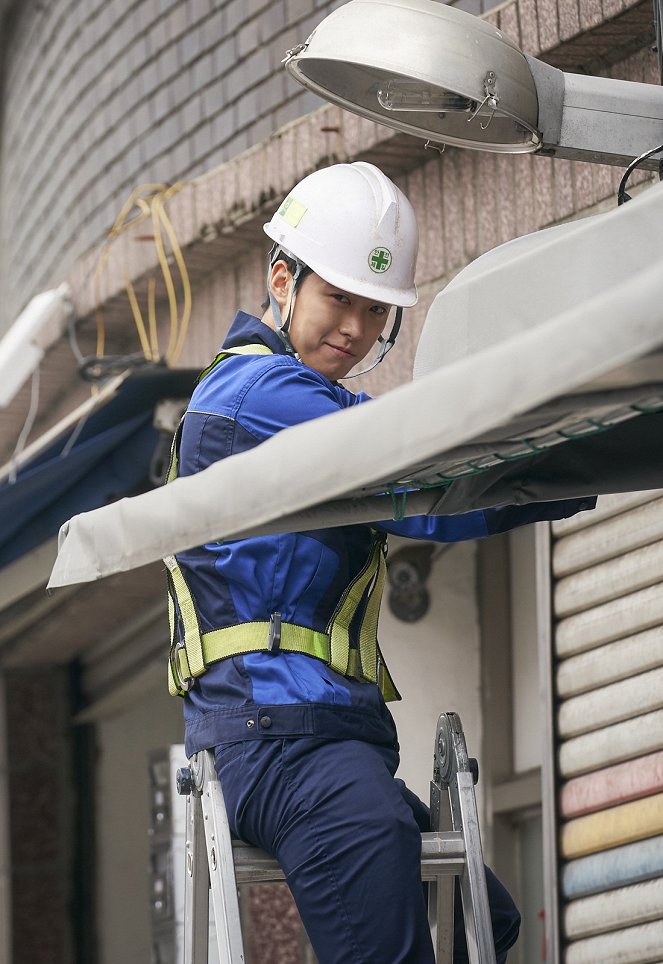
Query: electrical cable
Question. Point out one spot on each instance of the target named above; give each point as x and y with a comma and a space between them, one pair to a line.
148, 200
166, 272
622, 196
99, 367
121, 223
152, 317
73, 438
186, 286
27, 425
658, 25
138, 319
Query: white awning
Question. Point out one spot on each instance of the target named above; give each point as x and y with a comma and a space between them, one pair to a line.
537, 378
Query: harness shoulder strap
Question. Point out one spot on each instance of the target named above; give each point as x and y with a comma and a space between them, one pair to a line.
187, 658
256, 349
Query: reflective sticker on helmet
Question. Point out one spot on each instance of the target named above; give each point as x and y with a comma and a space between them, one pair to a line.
292, 211
379, 260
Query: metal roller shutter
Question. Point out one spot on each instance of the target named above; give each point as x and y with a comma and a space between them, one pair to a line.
608, 645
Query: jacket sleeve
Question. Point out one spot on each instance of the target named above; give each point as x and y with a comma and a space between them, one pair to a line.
284, 394
484, 522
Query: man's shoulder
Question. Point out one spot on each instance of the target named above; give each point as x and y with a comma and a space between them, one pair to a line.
255, 381
234, 374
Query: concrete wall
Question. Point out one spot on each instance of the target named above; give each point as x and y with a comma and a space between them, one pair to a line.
435, 663
123, 818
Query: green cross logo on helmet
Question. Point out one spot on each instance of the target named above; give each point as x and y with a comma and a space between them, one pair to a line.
379, 260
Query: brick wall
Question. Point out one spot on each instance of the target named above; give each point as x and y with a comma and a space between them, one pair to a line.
42, 815
101, 95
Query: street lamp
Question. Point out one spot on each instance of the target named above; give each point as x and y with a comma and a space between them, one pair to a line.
428, 69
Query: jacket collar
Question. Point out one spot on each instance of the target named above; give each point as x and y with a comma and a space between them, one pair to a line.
247, 330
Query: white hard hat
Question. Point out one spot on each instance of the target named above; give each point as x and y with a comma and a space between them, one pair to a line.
354, 228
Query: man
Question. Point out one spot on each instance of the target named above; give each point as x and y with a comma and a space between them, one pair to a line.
275, 646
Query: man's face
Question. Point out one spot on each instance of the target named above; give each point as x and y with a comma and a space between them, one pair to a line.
333, 330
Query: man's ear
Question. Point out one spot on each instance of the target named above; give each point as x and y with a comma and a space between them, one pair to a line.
280, 281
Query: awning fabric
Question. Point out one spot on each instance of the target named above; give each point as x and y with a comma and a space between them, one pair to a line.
554, 389
110, 457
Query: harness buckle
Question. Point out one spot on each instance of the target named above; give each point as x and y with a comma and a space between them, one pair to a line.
184, 682
274, 640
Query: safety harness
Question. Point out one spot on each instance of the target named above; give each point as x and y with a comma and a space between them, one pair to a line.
192, 651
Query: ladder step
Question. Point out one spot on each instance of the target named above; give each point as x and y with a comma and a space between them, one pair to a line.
442, 853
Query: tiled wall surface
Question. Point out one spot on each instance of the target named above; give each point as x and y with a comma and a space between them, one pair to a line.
101, 95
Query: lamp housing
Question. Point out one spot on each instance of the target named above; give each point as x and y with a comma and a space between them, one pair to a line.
424, 68
431, 70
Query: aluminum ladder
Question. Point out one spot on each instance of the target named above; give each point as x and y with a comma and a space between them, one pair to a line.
452, 848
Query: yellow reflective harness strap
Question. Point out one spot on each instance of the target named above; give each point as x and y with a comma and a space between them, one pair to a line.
368, 631
197, 651
257, 349
372, 662
339, 624
253, 637
242, 638
186, 658
188, 618
385, 682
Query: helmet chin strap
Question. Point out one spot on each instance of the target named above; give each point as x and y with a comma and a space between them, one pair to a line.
385, 346
282, 325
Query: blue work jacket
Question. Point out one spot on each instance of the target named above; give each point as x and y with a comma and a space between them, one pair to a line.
301, 575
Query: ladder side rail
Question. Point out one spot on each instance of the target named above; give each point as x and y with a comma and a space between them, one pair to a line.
441, 889
225, 901
473, 889
196, 886
454, 774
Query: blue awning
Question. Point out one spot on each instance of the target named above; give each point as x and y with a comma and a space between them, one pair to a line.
110, 458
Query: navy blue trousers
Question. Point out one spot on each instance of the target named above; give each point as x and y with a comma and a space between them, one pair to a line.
347, 836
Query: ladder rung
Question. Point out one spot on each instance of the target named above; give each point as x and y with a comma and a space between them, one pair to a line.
441, 853
254, 866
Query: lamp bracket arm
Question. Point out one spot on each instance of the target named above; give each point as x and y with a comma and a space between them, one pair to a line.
550, 85
596, 119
